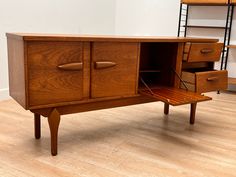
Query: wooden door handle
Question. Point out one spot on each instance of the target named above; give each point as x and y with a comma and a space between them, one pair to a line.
212, 79
71, 66
104, 64
206, 51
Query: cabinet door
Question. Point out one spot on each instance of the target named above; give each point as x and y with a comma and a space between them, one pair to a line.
114, 69
55, 72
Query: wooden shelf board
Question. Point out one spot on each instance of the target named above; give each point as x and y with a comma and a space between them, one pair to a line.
150, 71
231, 46
199, 26
232, 81
206, 4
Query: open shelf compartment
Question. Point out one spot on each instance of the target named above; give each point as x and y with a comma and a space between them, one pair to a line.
157, 75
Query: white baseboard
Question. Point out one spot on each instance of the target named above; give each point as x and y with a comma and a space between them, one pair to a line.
4, 94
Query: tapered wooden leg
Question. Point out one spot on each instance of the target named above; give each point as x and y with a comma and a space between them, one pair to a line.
54, 121
37, 126
166, 109
193, 113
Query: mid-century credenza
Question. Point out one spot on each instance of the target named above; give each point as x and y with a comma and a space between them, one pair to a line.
54, 75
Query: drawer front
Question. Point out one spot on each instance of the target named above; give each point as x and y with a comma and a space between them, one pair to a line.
197, 52
211, 81
114, 69
205, 81
55, 71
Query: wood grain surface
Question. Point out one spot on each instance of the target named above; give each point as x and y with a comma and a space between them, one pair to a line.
104, 38
203, 52
17, 71
205, 2
205, 81
120, 79
174, 96
47, 83
204, 84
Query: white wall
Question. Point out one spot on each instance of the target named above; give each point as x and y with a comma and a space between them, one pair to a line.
52, 16
147, 17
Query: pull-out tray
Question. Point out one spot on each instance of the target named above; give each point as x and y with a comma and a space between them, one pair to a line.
174, 96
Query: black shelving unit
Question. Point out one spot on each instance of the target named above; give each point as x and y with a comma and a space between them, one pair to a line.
184, 26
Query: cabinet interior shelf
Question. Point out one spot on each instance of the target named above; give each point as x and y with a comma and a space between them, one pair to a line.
200, 26
150, 71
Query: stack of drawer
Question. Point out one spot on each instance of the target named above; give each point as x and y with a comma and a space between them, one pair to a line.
198, 68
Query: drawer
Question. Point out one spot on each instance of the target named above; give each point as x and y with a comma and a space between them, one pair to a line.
197, 52
55, 72
205, 81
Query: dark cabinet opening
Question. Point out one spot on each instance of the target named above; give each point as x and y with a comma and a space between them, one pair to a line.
157, 64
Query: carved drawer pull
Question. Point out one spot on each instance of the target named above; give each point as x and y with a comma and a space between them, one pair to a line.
104, 64
206, 51
212, 79
71, 66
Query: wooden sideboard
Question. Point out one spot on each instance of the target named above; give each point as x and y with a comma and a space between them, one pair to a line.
54, 75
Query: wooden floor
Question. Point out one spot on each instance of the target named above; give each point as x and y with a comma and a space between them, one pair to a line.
134, 141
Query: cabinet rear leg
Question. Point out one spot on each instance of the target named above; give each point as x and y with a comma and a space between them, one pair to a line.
193, 113
166, 109
54, 121
37, 126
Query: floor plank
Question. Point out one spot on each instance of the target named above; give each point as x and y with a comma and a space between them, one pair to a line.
133, 141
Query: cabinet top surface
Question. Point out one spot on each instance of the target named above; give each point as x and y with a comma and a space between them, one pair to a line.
113, 38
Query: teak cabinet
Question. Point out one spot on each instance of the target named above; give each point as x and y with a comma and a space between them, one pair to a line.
54, 75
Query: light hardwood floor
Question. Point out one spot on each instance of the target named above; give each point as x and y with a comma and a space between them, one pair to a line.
134, 141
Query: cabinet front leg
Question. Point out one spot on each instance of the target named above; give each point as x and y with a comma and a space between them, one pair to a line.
37, 126
193, 113
166, 109
54, 121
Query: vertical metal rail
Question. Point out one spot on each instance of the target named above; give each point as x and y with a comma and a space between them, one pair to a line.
186, 21
229, 36
180, 19
225, 38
